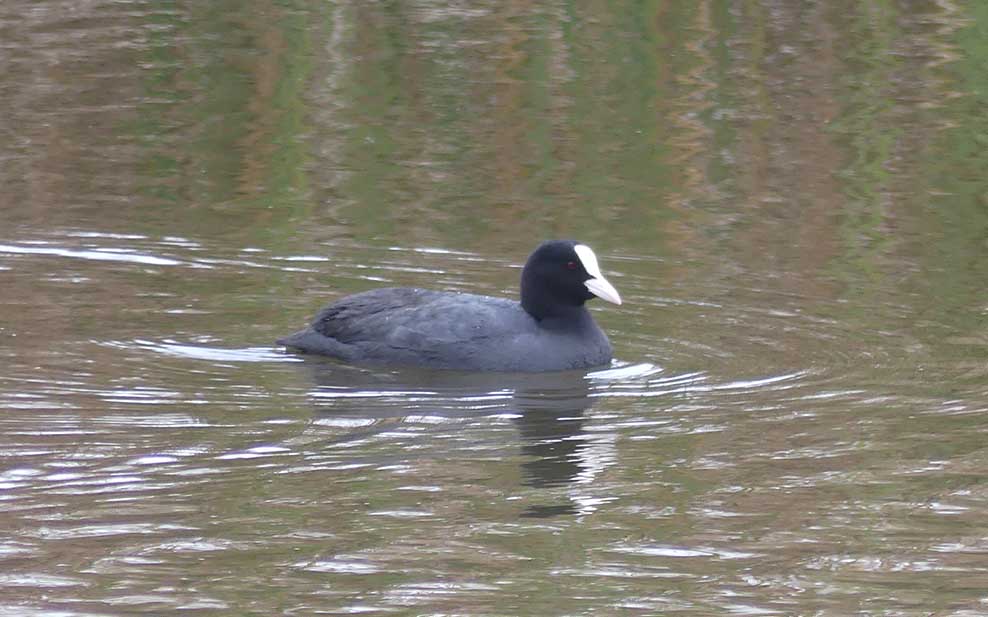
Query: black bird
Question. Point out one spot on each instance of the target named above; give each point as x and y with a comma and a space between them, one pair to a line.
549, 330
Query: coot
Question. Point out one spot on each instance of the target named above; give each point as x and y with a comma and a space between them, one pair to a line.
549, 330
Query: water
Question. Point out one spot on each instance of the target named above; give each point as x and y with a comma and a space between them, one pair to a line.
790, 197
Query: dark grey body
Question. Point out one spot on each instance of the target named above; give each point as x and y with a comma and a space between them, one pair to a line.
445, 330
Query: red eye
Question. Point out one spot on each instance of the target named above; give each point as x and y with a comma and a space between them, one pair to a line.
571, 265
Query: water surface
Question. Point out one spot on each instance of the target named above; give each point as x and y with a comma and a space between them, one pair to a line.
790, 197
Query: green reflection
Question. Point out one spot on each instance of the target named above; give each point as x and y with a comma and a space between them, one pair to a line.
870, 133
223, 114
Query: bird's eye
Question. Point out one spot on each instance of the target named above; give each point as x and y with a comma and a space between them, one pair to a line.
571, 265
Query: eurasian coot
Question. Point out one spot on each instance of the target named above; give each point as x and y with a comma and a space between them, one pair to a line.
549, 330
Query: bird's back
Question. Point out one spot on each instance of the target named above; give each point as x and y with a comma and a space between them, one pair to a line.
413, 326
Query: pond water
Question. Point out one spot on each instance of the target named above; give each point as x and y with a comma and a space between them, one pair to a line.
791, 197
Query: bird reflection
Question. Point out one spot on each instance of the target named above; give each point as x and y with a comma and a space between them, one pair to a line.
551, 422
549, 411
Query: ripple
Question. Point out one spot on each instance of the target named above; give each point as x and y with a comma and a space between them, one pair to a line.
153, 459
760, 383
625, 371
202, 352
402, 514
339, 566
102, 530
99, 254
668, 550
256, 452
34, 579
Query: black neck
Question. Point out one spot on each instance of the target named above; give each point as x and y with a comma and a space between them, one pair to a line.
556, 315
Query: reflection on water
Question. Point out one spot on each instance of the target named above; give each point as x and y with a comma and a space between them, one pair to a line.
790, 197
548, 411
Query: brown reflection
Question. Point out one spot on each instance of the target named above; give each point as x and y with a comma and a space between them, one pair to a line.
266, 77
790, 156
64, 91
693, 142
510, 127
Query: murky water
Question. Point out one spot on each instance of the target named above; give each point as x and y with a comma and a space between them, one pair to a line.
790, 196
